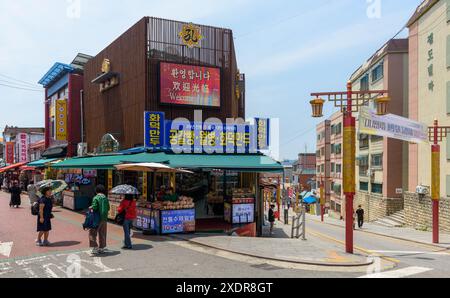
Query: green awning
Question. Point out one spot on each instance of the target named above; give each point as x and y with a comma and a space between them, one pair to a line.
41, 163
248, 162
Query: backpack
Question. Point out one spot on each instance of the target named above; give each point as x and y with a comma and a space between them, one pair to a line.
92, 220
35, 209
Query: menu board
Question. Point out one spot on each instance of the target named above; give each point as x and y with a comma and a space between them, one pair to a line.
177, 221
243, 213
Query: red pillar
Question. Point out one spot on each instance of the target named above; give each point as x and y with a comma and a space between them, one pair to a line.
435, 181
349, 164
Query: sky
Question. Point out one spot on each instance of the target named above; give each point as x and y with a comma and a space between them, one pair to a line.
286, 48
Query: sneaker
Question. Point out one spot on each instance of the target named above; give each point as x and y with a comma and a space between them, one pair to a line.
94, 252
46, 243
127, 247
39, 243
101, 251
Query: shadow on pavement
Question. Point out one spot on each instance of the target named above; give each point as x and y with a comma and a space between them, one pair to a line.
140, 247
110, 253
65, 243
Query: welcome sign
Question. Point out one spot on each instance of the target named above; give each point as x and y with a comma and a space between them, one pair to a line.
392, 126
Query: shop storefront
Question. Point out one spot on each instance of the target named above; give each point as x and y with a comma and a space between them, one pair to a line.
222, 194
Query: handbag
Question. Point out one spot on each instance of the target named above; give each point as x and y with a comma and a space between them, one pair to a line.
120, 218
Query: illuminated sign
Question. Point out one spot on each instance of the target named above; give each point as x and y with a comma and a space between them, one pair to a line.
189, 85
61, 120
191, 35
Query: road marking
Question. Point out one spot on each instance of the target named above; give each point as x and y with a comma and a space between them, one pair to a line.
366, 251
5, 248
435, 253
402, 273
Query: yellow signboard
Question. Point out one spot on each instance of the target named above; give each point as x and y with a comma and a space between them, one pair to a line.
110, 180
61, 120
144, 185
190, 35
349, 160
435, 174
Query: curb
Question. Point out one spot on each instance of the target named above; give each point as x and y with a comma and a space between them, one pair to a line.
309, 263
390, 236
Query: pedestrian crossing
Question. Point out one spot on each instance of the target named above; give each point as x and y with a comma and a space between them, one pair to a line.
401, 273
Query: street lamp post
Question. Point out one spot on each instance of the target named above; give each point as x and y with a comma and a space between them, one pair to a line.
436, 134
349, 102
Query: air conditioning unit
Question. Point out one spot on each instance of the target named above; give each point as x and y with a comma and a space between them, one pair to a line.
422, 190
82, 149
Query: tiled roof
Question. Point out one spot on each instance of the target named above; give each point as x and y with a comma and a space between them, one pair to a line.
421, 10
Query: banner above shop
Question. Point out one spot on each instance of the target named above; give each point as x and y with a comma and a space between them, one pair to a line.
189, 85
392, 126
187, 137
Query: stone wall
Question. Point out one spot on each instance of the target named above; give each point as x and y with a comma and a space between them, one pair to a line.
418, 212
376, 206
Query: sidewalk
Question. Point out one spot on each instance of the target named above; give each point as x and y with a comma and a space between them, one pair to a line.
314, 251
404, 233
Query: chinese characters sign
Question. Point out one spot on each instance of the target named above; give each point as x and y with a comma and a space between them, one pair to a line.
61, 120
10, 152
177, 221
243, 213
23, 147
191, 35
154, 130
190, 85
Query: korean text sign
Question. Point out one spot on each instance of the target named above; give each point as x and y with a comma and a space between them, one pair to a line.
177, 221
189, 85
154, 130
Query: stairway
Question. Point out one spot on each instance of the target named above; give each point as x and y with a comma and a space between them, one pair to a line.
396, 220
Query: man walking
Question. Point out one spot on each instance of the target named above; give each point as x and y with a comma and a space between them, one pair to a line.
360, 215
271, 218
100, 204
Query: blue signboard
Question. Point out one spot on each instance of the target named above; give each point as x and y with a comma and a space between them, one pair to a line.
154, 130
177, 221
189, 137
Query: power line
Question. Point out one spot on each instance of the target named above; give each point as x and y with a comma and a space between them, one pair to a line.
11, 83
24, 82
20, 88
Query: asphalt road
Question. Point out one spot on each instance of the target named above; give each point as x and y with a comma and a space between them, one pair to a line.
412, 259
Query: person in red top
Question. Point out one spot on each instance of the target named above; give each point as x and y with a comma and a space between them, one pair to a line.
129, 205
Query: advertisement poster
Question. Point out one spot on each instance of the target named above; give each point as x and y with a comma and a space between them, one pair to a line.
10, 153
190, 85
392, 126
178, 221
243, 213
61, 120
147, 220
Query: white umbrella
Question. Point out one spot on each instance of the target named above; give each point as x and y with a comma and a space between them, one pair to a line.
149, 167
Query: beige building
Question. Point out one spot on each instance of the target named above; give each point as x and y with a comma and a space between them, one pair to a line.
382, 163
429, 90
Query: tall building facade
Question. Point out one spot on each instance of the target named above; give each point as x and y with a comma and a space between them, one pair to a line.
382, 163
329, 163
429, 89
